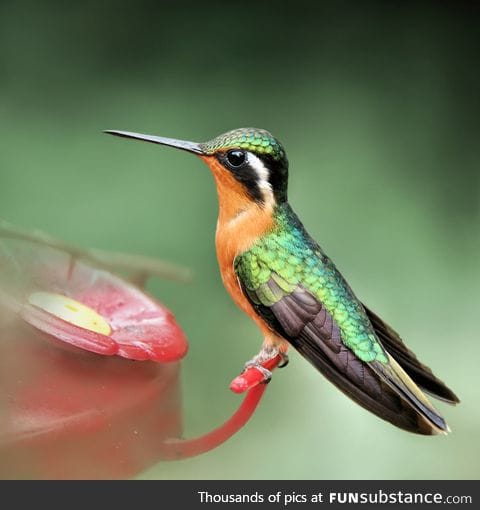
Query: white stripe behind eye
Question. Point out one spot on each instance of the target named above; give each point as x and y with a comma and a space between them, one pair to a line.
261, 171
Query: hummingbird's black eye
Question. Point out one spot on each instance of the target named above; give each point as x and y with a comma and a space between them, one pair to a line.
236, 158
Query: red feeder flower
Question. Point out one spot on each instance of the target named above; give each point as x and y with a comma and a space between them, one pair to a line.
73, 403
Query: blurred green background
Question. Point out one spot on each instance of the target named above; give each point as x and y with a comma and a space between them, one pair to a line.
377, 104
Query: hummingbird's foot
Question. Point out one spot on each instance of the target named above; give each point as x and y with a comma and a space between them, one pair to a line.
267, 374
259, 369
266, 354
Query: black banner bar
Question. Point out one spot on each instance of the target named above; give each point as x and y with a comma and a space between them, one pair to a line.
250, 494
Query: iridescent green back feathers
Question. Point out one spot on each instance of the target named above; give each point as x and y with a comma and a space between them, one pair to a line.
291, 258
296, 289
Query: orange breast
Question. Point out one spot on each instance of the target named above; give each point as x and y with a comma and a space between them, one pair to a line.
241, 222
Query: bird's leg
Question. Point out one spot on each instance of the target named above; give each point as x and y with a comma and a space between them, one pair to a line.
270, 349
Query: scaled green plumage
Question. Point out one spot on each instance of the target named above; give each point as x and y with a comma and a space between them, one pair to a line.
288, 255
258, 141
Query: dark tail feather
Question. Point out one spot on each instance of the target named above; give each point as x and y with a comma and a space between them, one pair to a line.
364, 386
394, 375
420, 373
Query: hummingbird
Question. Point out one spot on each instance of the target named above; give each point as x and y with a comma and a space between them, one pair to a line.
281, 278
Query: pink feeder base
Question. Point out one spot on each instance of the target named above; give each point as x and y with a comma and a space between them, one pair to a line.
71, 405
79, 415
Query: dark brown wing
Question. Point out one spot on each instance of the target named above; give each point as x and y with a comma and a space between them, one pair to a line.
301, 319
420, 373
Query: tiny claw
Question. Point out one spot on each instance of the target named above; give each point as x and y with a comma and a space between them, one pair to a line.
284, 360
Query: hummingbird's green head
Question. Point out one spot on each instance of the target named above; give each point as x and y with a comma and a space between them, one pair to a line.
252, 157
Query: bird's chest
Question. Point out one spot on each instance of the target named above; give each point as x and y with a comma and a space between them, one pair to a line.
228, 247
233, 238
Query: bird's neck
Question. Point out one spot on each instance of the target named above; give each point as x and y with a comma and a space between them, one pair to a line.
241, 220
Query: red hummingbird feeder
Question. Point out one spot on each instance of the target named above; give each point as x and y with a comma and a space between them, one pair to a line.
90, 367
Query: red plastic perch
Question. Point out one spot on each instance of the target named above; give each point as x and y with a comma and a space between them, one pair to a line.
248, 381
252, 377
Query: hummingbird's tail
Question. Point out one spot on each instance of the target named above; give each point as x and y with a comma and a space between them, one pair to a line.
399, 381
419, 373
384, 390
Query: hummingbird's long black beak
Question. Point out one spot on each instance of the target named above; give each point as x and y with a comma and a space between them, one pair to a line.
171, 142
